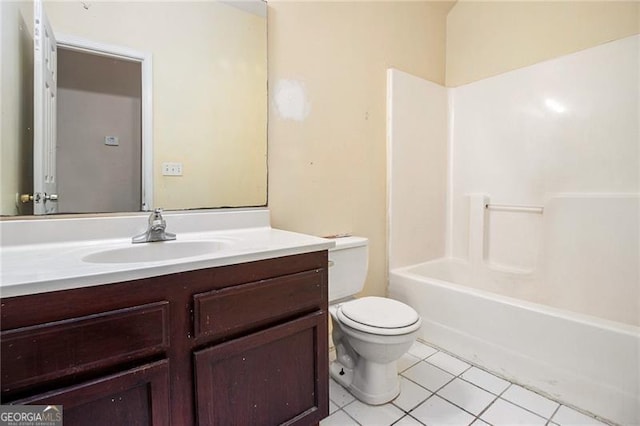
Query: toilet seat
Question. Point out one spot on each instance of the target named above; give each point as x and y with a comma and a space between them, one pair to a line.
379, 315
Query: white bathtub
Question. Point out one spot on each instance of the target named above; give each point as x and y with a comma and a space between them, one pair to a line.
584, 361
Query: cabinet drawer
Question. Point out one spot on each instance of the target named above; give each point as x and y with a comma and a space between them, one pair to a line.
244, 307
49, 351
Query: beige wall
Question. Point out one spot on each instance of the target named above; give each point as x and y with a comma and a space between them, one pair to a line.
486, 38
209, 92
16, 110
327, 154
327, 143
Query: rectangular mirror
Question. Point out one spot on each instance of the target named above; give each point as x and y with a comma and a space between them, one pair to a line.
148, 104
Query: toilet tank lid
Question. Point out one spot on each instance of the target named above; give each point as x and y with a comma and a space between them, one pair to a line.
348, 242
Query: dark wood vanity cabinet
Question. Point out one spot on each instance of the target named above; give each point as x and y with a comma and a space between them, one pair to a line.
242, 344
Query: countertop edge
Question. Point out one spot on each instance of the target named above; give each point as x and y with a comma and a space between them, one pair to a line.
25, 289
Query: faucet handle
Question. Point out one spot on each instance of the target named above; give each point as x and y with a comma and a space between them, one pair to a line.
155, 217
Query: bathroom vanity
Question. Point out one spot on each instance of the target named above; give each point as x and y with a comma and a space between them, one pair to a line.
242, 341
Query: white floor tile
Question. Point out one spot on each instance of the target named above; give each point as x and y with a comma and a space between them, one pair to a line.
428, 376
339, 418
436, 411
566, 416
411, 395
425, 370
374, 415
531, 401
407, 421
406, 361
503, 413
467, 396
420, 350
486, 381
448, 363
339, 395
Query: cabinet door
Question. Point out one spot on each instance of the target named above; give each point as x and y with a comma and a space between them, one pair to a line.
135, 397
276, 376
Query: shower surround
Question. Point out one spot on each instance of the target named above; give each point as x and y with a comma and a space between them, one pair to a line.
541, 213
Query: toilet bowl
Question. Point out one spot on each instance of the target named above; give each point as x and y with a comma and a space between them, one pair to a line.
371, 333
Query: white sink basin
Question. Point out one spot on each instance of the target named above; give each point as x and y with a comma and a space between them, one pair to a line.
155, 252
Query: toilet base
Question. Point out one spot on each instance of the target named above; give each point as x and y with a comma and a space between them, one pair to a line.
370, 382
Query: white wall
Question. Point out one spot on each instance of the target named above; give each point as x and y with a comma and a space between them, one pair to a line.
550, 134
416, 168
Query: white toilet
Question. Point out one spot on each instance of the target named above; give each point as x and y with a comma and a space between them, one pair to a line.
370, 333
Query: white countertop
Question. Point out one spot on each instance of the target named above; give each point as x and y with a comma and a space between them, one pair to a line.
50, 266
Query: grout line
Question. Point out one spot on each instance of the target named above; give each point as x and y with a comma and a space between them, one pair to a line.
480, 387
444, 385
351, 417
422, 386
419, 403
439, 389
527, 409
487, 407
348, 403
553, 414
476, 417
498, 396
459, 376
407, 415
415, 363
511, 383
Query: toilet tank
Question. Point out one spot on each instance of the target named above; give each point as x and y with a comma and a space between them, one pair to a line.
348, 263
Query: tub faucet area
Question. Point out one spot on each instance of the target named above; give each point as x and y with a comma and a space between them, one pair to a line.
156, 231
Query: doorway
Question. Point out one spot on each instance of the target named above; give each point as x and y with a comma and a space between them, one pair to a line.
99, 132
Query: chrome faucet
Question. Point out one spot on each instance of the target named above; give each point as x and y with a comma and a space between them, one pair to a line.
155, 231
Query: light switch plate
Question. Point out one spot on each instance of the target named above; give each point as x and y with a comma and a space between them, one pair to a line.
172, 169
111, 140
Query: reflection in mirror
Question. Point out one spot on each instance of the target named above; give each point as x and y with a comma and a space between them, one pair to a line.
96, 95
208, 105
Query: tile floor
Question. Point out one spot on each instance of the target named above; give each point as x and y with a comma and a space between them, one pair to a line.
439, 389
